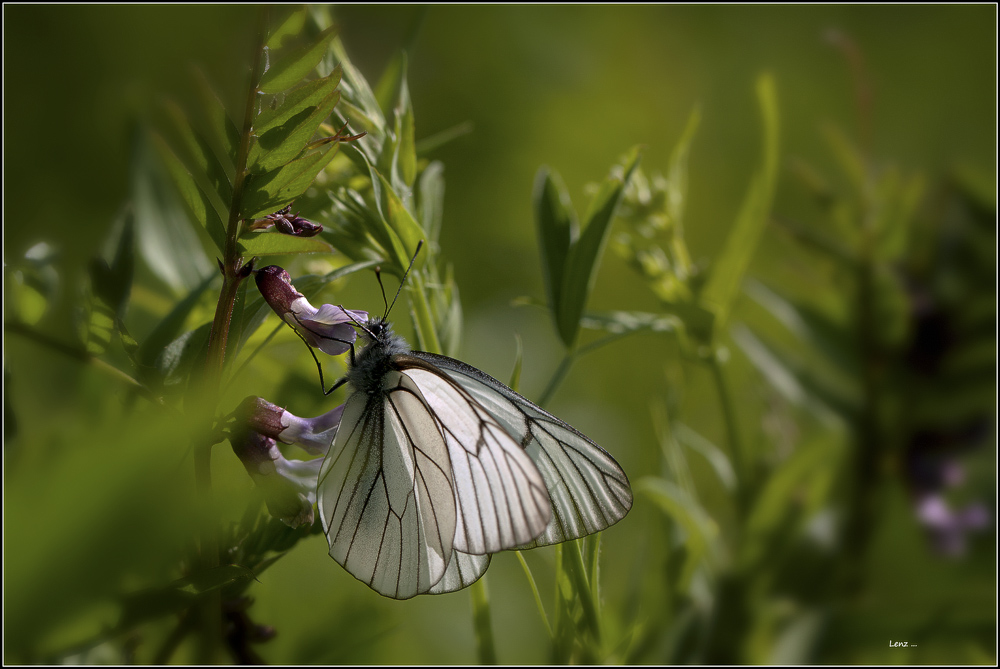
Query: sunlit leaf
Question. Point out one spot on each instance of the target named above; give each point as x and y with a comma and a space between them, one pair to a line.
288, 69
270, 243
269, 192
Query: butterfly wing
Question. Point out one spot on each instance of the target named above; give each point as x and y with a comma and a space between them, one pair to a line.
463, 570
385, 493
500, 495
588, 490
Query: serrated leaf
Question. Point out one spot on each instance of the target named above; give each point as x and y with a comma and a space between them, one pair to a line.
727, 272
584, 256
557, 228
269, 192
198, 205
288, 69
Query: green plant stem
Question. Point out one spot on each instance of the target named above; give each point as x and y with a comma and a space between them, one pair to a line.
481, 620
534, 591
733, 435
210, 612
557, 379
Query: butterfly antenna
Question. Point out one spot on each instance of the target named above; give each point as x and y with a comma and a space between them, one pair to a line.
402, 281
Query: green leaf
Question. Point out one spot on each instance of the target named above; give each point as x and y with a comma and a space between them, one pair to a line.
168, 243
557, 230
714, 455
283, 132
402, 222
270, 243
515, 382
290, 27
677, 173
170, 325
797, 383
393, 77
359, 96
292, 67
584, 256
219, 132
437, 140
430, 200
835, 342
110, 287
404, 159
723, 283
699, 528
199, 206
269, 192
201, 162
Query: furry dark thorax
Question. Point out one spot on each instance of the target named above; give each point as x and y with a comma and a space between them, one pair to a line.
374, 361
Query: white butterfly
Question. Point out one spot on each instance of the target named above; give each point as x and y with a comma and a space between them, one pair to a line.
436, 465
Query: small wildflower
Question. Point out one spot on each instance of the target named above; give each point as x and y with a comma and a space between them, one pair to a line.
289, 486
329, 328
315, 435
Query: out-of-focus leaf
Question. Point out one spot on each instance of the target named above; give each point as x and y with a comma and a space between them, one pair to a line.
219, 132
110, 287
153, 603
799, 386
437, 140
199, 206
622, 322
170, 326
288, 69
791, 495
175, 361
291, 26
200, 160
677, 173
699, 528
849, 157
515, 376
718, 460
557, 231
388, 87
269, 192
815, 330
584, 256
727, 272
167, 242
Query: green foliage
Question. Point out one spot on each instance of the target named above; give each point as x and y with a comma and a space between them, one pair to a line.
777, 516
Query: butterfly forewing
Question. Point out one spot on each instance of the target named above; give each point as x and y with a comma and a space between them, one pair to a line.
500, 494
588, 490
386, 495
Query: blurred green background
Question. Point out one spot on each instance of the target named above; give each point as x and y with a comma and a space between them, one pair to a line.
571, 87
